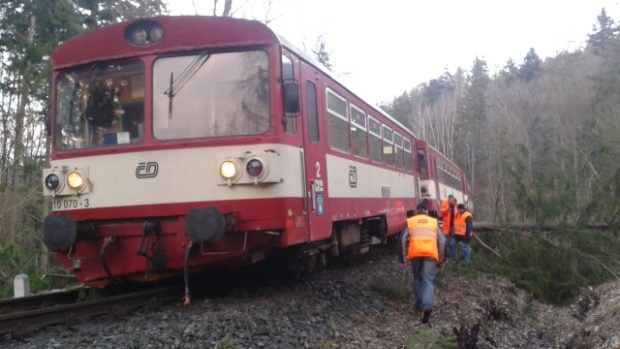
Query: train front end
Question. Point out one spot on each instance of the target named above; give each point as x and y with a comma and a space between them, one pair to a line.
166, 152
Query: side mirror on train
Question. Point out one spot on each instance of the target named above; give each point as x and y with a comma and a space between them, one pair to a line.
291, 97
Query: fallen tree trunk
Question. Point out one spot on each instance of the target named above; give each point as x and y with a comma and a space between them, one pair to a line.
490, 226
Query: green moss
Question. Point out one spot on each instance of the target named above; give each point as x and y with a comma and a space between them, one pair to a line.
429, 339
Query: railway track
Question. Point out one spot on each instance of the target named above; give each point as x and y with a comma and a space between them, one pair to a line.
24, 315
14, 305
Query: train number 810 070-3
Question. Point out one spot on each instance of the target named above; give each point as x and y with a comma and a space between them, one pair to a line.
69, 203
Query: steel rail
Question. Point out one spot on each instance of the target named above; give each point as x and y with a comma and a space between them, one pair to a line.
23, 322
14, 305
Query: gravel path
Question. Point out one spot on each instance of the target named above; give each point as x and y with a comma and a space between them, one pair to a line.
361, 305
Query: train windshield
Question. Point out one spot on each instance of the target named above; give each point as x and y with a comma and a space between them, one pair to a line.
211, 95
100, 105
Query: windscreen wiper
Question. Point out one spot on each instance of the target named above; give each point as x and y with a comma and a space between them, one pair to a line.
186, 75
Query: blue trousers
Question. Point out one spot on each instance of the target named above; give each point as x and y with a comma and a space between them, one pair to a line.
454, 240
424, 272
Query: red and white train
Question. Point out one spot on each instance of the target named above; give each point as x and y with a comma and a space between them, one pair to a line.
440, 177
187, 141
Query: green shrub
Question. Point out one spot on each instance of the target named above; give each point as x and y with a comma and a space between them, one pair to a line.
553, 266
23, 256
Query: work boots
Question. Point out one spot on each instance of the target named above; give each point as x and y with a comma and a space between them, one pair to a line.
426, 316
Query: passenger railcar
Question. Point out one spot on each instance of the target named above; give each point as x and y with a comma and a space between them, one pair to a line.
180, 142
439, 177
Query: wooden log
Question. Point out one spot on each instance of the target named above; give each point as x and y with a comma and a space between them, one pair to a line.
492, 226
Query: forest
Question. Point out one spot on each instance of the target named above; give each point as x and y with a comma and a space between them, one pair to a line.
29, 30
538, 140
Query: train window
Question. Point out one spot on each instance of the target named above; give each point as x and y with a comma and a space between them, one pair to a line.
448, 176
388, 145
398, 150
288, 74
422, 164
374, 128
312, 112
287, 69
211, 95
338, 122
358, 132
408, 157
442, 174
100, 105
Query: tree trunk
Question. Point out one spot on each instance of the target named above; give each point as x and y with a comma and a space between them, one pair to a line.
14, 215
18, 154
227, 8
45, 210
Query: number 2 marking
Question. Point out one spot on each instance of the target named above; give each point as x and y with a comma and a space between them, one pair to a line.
317, 165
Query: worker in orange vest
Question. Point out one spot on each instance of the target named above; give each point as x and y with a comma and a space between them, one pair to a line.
463, 225
422, 243
447, 211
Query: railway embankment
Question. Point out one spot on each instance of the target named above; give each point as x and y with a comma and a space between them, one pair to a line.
525, 289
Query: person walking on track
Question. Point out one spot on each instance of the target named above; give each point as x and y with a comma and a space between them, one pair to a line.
422, 243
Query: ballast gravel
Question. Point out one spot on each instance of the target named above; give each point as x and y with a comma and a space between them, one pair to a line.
362, 304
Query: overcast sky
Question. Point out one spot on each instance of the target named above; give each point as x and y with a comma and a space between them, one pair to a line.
381, 49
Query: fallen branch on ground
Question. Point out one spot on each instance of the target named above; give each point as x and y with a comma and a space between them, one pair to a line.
552, 243
487, 246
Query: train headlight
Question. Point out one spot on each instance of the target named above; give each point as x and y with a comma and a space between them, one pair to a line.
75, 180
228, 169
66, 180
254, 167
52, 182
138, 37
423, 189
156, 33
144, 33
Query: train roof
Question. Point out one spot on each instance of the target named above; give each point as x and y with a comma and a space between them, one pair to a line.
289, 45
89, 47
436, 151
107, 43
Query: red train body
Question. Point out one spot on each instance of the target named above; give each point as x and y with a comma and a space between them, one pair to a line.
190, 141
440, 177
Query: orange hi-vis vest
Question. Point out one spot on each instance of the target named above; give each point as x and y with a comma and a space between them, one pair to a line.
444, 211
460, 223
422, 237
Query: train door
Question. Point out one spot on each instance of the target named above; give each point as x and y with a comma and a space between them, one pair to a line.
314, 152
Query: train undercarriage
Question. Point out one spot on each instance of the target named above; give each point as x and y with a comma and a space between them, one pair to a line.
149, 250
